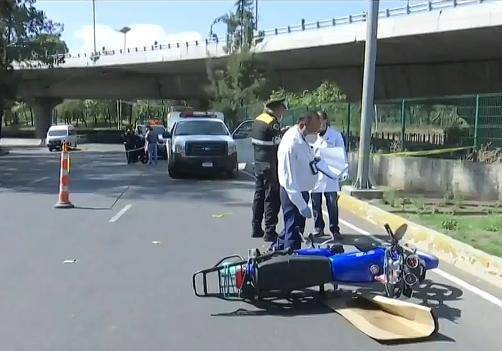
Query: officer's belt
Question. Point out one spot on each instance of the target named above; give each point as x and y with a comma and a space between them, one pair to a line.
263, 142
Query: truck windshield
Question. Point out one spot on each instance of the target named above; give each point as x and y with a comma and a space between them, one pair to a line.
200, 128
57, 133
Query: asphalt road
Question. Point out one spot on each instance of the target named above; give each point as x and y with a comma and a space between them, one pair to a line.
126, 293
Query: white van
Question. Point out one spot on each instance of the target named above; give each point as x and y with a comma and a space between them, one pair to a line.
58, 134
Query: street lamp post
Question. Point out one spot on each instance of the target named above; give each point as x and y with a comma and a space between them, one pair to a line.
124, 31
94, 24
367, 111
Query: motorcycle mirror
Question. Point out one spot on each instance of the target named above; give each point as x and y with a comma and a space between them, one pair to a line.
389, 230
400, 231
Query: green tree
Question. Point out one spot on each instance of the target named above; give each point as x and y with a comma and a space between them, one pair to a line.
327, 96
241, 82
240, 26
26, 34
236, 86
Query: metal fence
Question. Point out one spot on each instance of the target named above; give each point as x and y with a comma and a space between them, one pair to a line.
414, 124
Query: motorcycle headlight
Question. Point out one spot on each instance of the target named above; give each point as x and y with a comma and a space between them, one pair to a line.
410, 279
412, 261
232, 148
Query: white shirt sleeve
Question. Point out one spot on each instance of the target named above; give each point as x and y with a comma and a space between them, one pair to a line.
339, 142
290, 164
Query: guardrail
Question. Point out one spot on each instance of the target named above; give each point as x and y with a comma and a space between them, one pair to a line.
427, 6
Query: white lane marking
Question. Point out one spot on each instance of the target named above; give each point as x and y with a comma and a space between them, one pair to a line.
120, 213
481, 293
38, 180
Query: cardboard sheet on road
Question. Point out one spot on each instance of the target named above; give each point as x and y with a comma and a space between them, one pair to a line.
385, 319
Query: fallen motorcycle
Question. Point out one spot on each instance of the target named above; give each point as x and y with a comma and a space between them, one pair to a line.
399, 268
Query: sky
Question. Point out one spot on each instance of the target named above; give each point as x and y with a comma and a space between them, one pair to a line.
171, 21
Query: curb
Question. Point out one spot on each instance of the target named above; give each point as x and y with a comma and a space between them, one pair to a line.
246, 166
461, 255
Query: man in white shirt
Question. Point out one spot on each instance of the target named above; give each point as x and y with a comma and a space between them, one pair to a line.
328, 137
296, 179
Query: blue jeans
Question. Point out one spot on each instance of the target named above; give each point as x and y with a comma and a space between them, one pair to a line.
152, 153
331, 205
294, 223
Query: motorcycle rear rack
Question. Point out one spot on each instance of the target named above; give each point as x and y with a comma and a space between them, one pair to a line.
224, 272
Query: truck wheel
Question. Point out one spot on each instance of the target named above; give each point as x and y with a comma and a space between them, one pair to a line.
171, 170
233, 173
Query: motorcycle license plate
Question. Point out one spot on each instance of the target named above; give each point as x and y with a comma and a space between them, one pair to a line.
207, 164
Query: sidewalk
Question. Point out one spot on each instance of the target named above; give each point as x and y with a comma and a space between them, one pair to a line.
20, 142
25, 143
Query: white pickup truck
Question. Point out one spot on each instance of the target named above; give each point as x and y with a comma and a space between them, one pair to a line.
201, 144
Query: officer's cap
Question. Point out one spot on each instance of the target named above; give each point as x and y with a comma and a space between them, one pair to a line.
275, 102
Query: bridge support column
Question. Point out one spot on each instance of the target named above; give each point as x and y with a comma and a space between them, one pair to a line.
42, 108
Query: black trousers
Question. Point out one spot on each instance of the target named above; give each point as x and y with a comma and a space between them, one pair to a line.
331, 205
266, 202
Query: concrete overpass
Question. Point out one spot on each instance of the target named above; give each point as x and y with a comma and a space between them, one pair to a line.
433, 48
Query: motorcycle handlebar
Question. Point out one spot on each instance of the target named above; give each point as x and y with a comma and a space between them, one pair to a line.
284, 252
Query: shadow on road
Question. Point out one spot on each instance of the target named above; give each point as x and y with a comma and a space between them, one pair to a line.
108, 174
439, 337
435, 295
298, 304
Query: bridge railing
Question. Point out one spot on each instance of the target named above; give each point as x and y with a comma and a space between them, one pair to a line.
427, 6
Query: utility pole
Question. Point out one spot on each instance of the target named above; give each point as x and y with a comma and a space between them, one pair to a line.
256, 15
94, 23
367, 111
242, 23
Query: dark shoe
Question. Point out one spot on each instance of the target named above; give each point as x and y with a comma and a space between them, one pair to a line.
257, 234
318, 234
337, 236
270, 237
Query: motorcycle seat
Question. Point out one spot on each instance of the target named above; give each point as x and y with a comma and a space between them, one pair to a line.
293, 272
365, 247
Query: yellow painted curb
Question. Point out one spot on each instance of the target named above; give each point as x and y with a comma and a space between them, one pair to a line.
447, 249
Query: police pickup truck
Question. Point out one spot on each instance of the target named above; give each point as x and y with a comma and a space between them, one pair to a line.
200, 142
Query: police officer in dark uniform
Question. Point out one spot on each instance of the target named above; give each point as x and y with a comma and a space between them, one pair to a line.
266, 135
129, 144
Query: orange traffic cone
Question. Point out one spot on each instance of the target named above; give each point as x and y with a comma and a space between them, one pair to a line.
64, 180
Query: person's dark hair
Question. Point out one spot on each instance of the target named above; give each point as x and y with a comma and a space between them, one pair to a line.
306, 117
322, 114
275, 105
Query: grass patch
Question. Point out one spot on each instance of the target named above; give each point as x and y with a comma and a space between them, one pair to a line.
479, 226
481, 232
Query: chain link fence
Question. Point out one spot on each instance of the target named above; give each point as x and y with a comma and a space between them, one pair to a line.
413, 124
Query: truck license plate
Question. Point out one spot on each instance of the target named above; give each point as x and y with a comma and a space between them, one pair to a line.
207, 164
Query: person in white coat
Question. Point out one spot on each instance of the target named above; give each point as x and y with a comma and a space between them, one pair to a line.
328, 137
296, 179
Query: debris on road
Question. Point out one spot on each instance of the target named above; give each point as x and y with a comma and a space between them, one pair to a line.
70, 261
221, 215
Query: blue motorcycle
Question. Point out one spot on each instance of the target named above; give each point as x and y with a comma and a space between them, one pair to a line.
278, 273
